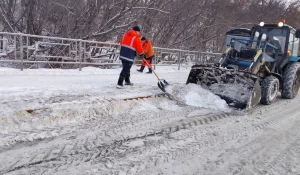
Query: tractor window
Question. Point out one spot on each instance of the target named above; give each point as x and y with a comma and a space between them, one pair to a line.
237, 45
296, 47
291, 42
276, 36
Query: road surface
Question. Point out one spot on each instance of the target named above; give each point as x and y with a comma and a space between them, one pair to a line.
67, 123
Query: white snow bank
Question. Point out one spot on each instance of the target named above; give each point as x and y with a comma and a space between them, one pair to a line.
87, 71
195, 95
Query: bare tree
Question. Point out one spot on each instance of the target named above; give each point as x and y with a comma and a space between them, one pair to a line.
189, 24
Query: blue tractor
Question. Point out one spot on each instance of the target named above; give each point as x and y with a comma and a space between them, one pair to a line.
257, 64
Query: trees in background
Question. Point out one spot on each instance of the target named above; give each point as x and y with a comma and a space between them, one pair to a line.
184, 24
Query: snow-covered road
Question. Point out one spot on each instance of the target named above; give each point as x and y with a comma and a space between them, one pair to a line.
71, 122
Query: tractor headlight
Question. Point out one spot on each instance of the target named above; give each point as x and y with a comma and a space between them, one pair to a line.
262, 23
280, 24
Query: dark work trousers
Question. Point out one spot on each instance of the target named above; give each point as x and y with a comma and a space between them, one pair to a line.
125, 73
150, 58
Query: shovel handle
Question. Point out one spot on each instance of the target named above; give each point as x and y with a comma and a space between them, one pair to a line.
151, 68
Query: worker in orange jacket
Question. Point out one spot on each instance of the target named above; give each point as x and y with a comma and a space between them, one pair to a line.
148, 53
131, 45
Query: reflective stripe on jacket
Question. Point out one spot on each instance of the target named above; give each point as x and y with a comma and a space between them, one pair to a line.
130, 45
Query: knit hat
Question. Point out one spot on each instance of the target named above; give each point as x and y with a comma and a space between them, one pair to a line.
143, 38
136, 28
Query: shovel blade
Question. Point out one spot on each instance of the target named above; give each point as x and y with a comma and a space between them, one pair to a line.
162, 84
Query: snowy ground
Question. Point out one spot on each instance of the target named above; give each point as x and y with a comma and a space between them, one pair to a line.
71, 122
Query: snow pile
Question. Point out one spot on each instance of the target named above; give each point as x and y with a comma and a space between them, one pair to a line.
195, 95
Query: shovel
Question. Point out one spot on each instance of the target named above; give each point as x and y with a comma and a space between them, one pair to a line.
161, 82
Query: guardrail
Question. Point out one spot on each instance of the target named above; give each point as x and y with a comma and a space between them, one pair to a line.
34, 51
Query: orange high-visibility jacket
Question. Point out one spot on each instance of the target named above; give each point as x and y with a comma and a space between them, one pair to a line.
130, 45
148, 50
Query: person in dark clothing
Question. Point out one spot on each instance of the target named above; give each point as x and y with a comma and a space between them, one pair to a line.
233, 53
130, 46
274, 42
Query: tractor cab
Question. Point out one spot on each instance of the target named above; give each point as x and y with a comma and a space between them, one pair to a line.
274, 42
237, 34
235, 43
279, 44
238, 54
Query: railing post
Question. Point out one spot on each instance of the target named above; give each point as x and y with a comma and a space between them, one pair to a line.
76, 51
80, 66
179, 59
70, 49
35, 52
15, 45
21, 52
27, 45
154, 61
84, 51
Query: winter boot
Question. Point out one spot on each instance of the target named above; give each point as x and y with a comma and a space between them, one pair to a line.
120, 83
141, 69
150, 71
127, 82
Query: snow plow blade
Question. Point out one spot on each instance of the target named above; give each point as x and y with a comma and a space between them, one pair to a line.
238, 88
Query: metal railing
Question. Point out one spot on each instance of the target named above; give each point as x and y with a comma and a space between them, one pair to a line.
33, 51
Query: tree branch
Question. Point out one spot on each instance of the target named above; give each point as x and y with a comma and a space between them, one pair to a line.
151, 9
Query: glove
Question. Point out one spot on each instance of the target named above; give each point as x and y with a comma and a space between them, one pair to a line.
141, 56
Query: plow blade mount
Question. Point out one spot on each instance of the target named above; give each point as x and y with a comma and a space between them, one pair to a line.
239, 89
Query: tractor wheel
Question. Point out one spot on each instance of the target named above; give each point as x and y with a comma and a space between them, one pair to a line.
269, 90
291, 81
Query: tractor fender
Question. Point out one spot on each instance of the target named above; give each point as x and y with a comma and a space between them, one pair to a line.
279, 78
294, 59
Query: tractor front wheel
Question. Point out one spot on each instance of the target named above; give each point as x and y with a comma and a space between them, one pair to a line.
291, 81
269, 90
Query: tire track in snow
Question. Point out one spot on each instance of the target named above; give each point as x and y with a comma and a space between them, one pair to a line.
287, 160
194, 148
92, 149
181, 125
119, 126
262, 109
109, 148
53, 115
272, 152
267, 123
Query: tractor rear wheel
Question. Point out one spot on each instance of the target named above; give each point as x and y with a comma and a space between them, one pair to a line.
291, 81
269, 90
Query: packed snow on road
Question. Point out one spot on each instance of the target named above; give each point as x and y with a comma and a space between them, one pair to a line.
57, 121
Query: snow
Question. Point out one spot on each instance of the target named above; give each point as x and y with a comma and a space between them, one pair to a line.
194, 95
59, 95
77, 122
